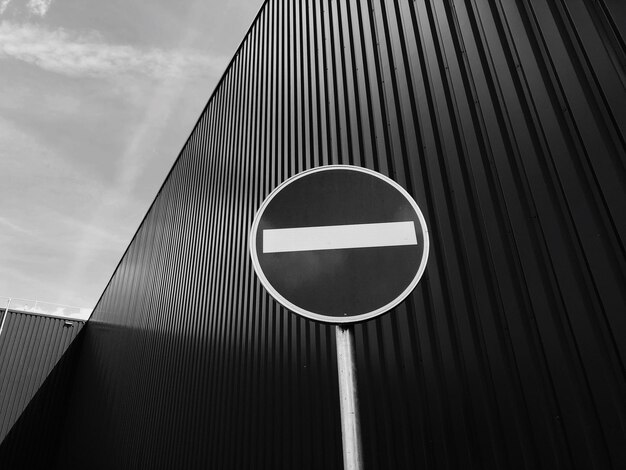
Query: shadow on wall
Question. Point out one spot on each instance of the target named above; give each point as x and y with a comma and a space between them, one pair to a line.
33, 441
187, 399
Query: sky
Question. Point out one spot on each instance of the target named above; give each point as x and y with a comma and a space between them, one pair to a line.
96, 101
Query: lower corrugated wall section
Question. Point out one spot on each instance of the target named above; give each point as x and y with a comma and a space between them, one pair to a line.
505, 120
34, 440
30, 347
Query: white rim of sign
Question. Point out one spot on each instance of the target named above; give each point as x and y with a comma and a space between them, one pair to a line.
327, 318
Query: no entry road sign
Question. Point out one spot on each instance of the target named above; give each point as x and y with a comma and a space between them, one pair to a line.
339, 244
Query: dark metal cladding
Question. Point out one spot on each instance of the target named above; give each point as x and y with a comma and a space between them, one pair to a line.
505, 120
30, 347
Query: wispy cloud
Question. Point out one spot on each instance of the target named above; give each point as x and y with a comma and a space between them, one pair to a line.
32, 7
16, 228
39, 7
3, 5
75, 54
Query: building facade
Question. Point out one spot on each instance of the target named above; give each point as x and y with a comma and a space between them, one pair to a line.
505, 120
31, 346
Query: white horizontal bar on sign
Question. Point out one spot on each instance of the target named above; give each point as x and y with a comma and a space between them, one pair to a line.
337, 237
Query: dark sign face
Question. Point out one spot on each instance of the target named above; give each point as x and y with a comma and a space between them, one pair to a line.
339, 244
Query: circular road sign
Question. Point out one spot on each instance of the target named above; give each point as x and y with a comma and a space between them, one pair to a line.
339, 244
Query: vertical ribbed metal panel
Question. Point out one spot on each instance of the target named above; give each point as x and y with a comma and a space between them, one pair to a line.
30, 347
505, 120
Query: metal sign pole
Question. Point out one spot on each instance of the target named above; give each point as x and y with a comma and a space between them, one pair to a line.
348, 400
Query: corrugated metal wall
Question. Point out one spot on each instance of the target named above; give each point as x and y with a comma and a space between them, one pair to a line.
505, 120
30, 347
34, 440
